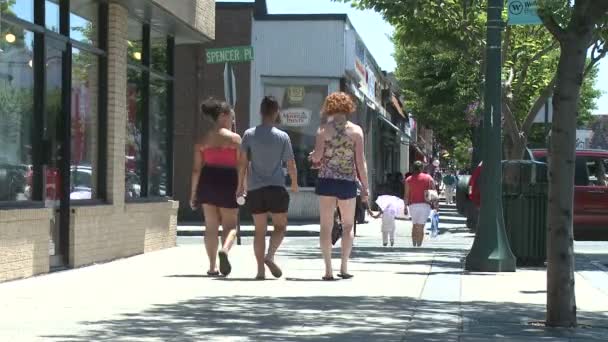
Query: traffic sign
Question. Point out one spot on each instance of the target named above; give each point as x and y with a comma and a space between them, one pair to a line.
523, 12
235, 54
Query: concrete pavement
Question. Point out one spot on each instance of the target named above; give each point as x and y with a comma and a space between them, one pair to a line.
398, 294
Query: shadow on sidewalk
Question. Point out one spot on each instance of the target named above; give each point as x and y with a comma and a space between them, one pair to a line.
322, 318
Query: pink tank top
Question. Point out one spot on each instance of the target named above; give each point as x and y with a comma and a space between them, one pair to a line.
220, 156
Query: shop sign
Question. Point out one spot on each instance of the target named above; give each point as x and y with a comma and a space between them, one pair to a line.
360, 60
371, 83
295, 94
296, 117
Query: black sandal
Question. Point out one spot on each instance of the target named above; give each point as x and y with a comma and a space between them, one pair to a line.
326, 278
345, 275
213, 274
225, 267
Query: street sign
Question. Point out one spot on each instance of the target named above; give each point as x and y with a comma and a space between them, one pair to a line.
523, 12
229, 85
235, 54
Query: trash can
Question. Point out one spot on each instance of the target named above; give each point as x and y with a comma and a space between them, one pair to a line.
525, 192
462, 193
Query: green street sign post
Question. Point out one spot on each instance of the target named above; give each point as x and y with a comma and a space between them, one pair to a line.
523, 12
491, 251
235, 54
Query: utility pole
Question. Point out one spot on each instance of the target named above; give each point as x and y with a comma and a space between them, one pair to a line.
491, 251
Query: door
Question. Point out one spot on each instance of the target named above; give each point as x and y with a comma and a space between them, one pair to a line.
56, 166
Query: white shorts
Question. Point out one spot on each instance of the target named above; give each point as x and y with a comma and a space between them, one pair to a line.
420, 212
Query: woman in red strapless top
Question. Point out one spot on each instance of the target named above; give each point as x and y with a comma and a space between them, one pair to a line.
214, 183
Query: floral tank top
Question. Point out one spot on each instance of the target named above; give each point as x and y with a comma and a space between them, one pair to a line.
338, 160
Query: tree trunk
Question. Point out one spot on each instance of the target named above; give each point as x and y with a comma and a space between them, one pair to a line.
561, 301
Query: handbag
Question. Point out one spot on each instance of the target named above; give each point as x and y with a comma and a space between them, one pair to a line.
430, 194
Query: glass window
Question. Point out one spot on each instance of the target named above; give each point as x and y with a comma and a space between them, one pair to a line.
300, 118
158, 52
23, 9
133, 153
51, 15
83, 21
157, 171
85, 90
135, 41
16, 113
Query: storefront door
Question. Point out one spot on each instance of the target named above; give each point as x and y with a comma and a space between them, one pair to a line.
55, 135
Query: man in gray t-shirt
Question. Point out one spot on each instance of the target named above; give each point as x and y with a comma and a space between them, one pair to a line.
264, 149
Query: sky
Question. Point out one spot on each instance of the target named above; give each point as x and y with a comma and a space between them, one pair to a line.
375, 32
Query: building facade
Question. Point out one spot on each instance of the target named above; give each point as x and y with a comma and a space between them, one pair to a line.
86, 128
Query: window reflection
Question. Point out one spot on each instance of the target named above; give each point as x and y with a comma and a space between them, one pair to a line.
84, 21
158, 53
135, 41
23, 9
51, 15
157, 171
84, 121
133, 148
16, 113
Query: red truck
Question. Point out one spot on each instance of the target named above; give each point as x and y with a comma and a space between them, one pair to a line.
590, 191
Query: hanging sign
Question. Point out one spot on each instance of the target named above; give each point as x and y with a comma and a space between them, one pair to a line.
296, 117
523, 12
295, 94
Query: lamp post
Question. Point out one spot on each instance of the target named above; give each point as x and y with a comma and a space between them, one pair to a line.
491, 251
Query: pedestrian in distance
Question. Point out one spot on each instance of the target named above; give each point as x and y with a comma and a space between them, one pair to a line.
339, 156
264, 150
417, 201
450, 187
215, 181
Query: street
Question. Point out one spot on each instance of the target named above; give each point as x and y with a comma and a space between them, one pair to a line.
397, 294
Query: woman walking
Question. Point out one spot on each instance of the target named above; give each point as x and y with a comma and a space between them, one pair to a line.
215, 181
339, 155
415, 197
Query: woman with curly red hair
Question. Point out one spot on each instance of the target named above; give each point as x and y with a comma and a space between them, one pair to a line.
339, 156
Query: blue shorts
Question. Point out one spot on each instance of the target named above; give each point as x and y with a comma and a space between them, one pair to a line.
339, 188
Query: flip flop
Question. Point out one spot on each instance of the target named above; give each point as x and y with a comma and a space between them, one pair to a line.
325, 278
345, 275
225, 267
213, 274
274, 269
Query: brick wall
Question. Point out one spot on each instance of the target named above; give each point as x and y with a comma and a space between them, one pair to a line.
200, 14
24, 242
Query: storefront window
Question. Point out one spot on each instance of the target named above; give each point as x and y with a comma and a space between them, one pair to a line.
157, 172
133, 153
148, 91
83, 21
84, 121
51, 15
300, 118
135, 41
16, 113
23, 9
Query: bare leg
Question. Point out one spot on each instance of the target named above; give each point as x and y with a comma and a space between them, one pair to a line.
259, 242
212, 224
229, 221
280, 227
347, 209
327, 207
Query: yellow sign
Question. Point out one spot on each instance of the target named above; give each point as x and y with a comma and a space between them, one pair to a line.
295, 94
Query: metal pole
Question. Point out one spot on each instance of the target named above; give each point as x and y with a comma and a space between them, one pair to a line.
491, 251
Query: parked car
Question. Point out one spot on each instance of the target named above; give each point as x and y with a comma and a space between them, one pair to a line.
590, 191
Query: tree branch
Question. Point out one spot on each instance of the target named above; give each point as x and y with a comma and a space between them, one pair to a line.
506, 45
538, 104
551, 24
526, 67
510, 122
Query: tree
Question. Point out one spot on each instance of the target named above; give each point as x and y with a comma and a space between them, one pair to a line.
576, 26
443, 43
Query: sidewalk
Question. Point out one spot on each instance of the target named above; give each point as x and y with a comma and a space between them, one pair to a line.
398, 294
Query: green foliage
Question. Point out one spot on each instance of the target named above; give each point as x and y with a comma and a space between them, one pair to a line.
461, 155
440, 53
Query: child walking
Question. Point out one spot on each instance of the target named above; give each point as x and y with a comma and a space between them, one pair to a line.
390, 208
